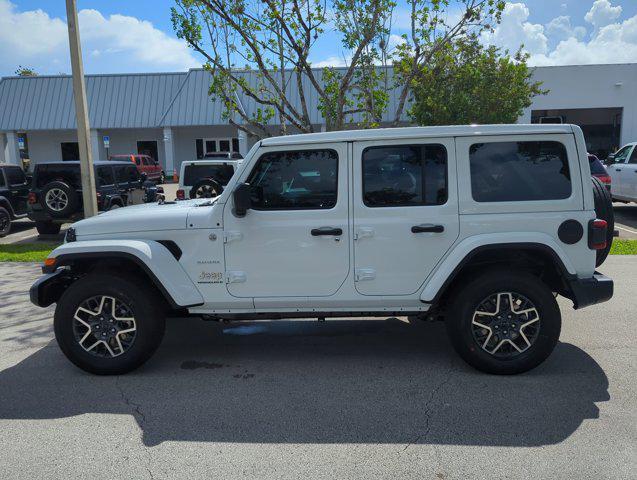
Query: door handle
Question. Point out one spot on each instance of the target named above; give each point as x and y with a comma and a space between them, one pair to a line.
618, 169
326, 231
427, 228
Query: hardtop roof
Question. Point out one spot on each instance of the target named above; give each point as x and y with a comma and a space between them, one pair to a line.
417, 132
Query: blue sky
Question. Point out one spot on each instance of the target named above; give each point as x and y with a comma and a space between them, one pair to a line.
137, 36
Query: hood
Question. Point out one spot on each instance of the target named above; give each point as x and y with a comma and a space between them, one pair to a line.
138, 218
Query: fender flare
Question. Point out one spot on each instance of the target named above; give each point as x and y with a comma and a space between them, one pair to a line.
155, 259
4, 202
462, 253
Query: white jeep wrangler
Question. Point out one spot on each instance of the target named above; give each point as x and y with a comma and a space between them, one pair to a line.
480, 226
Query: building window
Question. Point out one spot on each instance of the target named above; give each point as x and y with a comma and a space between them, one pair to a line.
70, 151
207, 147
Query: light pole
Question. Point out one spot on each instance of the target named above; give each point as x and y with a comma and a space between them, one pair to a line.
81, 112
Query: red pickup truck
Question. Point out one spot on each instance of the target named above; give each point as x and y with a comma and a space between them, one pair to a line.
145, 164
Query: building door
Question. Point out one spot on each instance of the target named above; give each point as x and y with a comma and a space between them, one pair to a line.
148, 147
405, 212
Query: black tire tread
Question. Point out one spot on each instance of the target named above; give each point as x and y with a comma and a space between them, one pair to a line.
458, 321
604, 211
5, 213
149, 315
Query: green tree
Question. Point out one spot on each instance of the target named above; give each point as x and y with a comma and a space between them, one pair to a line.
25, 72
468, 83
274, 39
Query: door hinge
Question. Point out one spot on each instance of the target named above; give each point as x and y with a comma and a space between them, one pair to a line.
362, 274
232, 236
236, 277
363, 232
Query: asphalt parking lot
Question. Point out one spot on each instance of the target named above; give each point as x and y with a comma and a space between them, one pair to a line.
340, 399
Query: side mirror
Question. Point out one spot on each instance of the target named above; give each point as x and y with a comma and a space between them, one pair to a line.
143, 177
242, 199
160, 190
610, 159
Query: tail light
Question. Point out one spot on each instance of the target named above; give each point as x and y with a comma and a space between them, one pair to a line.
181, 195
604, 178
32, 198
597, 234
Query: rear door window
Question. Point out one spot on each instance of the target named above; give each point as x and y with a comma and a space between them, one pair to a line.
66, 173
404, 175
104, 175
519, 171
121, 174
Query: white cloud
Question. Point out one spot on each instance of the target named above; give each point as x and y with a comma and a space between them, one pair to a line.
515, 30
563, 42
560, 28
614, 43
332, 61
117, 43
602, 13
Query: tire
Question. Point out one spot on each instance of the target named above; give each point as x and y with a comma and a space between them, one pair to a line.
133, 299
114, 206
475, 345
5, 222
603, 211
48, 228
206, 188
58, 199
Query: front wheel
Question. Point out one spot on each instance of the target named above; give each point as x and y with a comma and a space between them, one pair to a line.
48, 228
5, 222
504, 322
108, 325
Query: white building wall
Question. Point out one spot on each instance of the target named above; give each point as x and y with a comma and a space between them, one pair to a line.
590, 86
185, 138
44, 145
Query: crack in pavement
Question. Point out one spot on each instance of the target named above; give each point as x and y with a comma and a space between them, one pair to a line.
141, 420
427, 412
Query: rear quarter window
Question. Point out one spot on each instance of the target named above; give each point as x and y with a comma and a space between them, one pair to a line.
66, 173
220, 173
519, 171
15, 176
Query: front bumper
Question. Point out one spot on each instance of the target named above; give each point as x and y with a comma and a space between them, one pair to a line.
589, 291
49, 287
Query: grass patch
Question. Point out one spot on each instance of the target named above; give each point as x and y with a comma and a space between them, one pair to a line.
26, 252
624, 247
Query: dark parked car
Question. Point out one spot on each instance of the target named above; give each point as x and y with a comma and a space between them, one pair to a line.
598, 170
14, 189
56, 192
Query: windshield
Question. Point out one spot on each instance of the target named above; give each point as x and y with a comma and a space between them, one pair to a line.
194, 172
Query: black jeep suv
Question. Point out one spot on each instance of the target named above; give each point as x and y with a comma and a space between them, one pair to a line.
56, 192
14, 189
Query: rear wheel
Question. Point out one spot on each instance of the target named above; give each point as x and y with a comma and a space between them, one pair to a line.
504, 322
603, 211
108, 325
48, 228
5, 222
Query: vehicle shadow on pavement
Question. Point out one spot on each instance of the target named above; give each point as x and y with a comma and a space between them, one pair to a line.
346, 381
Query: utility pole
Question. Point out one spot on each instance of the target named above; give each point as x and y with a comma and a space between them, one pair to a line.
81, 112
